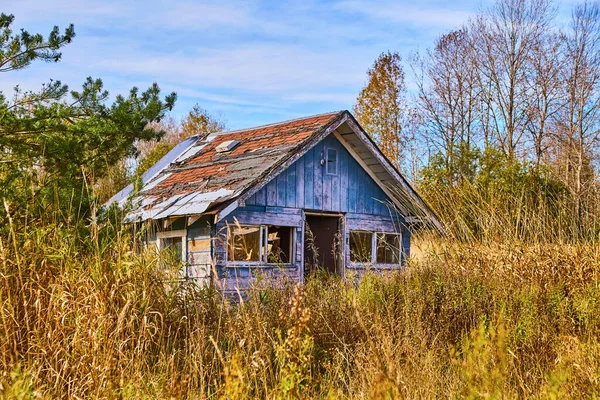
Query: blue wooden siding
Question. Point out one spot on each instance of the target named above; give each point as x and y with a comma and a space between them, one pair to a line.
305, 185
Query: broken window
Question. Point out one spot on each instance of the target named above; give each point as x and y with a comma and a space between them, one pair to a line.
173, 246
279, 244
388, 248
244, 243
261, 243
172, 249
332, 162
361, 246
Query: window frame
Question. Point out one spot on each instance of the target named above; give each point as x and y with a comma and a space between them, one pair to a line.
260, 244
263, 246
360, 231
374, 249
327, 149
180, 233
400, 249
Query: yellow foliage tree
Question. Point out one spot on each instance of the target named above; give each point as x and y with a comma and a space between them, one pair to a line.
380, 107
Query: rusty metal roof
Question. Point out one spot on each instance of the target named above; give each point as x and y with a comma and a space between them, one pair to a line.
195, 177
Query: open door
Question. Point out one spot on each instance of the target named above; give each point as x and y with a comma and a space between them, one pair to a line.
322, 249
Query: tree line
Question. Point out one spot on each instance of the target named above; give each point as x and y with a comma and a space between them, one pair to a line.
503, 122
511, 92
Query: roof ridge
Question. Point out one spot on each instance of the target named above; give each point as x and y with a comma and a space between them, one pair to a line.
252, 128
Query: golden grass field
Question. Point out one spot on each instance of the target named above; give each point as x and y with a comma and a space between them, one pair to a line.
92, 319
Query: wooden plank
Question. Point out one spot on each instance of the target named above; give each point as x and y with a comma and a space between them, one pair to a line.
251, 200
271, 193
327, 191
343, 202
371, 223
300, 182
283, 210
405, 244
335, 193
360, 207
199, 258
265, 218
318, 177
252, 208
261, 197
199, 244
281, 189
370, 195
291, 187
309, 179
352, 200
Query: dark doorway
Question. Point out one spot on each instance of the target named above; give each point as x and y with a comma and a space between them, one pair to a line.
321, 243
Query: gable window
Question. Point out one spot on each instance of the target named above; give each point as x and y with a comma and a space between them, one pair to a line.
375, 247
270, 244
332, 161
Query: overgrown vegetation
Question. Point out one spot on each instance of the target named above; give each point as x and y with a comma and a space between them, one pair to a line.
505, 305
83, 317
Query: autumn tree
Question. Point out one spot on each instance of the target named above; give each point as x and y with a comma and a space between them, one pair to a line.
579, 128
506, 38
447, 100
546, 98
381, 107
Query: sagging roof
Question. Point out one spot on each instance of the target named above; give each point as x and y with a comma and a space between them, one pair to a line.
198, 176
195, 177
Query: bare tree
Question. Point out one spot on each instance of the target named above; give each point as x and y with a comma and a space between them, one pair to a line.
506, 36
546, 94
579, 129
446, 78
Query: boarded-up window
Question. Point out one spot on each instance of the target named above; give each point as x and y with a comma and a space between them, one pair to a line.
244, 243
388, 248
279, 244
361, 246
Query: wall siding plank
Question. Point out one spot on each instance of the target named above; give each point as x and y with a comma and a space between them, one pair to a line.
272, 192
281, 189
291, 187
309, 179
299, 183
318, 177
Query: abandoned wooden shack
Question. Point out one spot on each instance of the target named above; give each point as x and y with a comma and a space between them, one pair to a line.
278, 200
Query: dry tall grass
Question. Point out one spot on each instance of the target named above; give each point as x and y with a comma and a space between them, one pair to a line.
82, 318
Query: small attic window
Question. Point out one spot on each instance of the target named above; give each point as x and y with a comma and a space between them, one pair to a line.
227, 146
332, 158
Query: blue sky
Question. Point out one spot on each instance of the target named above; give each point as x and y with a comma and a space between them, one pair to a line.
251, 62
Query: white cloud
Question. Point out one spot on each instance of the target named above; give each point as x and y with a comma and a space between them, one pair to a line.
255, 59
422, 14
